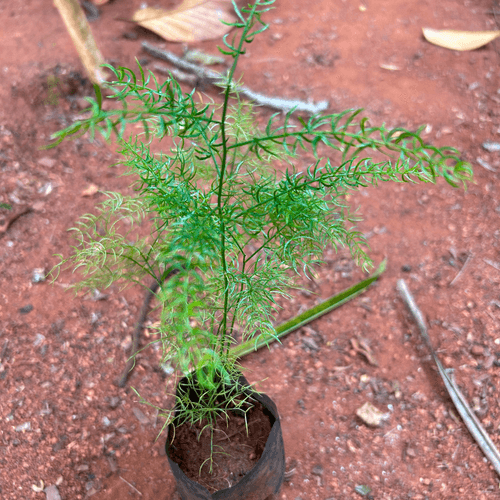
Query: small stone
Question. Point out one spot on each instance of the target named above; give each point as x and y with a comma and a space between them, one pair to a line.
94, 318
82, 468
106, 421
114, 402
59, 445
406, 268
113, 466
39, 338
310, 344
98, 295
167, 368
352, 447
52, 493
38, 206
46, 162
140, 416
46, 189
489, 362
108, 436
90, 190
362, 489
371, 415
38, 275
317, 470
492, 147
410, 452
24, 427
26, 309
46, 409
477, 350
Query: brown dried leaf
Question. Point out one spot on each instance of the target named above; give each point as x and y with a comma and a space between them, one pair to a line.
193, 20
459, 40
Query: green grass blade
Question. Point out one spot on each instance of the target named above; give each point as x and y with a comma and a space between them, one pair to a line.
309, 315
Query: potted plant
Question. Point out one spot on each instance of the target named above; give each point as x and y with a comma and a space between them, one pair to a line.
236, 215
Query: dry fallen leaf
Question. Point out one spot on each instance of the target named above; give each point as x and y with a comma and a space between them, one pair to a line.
193, 20
459, 40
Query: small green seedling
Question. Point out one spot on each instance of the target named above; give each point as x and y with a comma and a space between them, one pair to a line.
236, 211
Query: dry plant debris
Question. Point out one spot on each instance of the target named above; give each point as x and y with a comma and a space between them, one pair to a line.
468, 416
191, 21
459, 40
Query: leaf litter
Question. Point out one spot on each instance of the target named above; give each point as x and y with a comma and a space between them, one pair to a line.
191, 21
459, 40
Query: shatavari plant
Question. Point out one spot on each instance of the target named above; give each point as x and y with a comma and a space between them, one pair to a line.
236, 213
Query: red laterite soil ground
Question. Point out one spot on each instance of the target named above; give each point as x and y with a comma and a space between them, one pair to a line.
64, 423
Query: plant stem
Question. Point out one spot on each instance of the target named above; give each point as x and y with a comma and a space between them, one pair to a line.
223, 345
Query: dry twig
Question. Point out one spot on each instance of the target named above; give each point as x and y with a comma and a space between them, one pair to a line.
215, 78
131, 485
471, 421
79, 30
8, 221
492, 264
153, 288
459, 274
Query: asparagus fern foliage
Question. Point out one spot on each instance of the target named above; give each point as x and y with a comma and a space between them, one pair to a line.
235, 209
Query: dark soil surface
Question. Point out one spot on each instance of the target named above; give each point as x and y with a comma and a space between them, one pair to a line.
219, 456
64, 423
